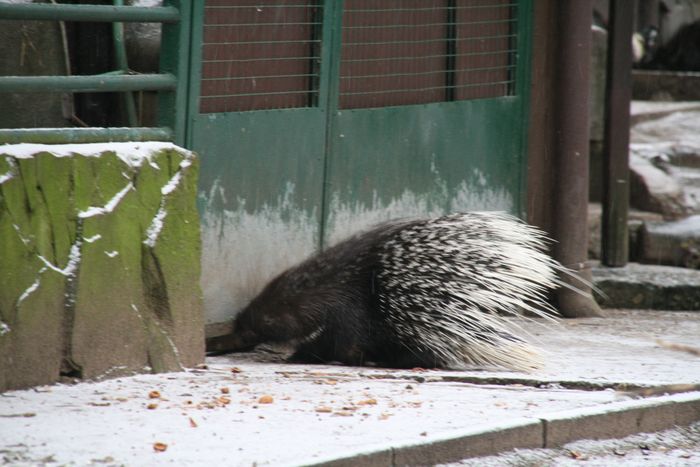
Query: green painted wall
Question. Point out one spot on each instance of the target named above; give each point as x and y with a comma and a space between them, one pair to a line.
279, 184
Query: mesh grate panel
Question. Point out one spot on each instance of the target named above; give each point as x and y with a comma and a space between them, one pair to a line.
260, 55
399, 52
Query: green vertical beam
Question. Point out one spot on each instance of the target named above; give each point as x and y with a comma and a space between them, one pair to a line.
618, 93
173, 108
195, 71
522, 91
451, 50
122, 63
329, 93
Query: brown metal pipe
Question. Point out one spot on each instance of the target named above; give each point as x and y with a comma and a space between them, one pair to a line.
571, 145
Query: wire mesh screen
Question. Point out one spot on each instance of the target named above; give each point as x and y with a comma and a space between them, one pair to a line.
399, 52
261, 54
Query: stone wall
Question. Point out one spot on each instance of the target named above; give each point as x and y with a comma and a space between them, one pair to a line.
99, 261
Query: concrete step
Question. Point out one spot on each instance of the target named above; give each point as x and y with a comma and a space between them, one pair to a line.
648, 287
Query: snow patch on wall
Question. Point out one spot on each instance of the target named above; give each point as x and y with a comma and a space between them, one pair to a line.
71, 266
9, 175
156, 226
30, 290
172, 184
109, 207
92, 239
24, 239
5, 177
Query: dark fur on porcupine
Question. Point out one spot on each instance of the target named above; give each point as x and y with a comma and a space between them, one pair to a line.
418, 293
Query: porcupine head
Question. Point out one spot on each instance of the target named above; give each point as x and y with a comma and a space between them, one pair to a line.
278, 314
268, 318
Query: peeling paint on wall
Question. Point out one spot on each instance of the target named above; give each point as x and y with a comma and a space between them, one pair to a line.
347, 218
242, 251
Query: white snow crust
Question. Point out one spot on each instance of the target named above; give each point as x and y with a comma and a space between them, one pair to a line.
109, 207
133, 154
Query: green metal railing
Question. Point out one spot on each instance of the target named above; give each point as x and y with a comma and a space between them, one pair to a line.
171, 82
105, 13
92, 83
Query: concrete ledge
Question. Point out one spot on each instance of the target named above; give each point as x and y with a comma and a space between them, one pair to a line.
621, 419
522, 433
648, 286
610, 421
665, 85
369, 458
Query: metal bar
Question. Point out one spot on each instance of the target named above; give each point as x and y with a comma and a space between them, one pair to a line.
106, 13
240, 25
173, 107
429, 41
426, 57
83, 135
249, 94
419, 41
193, 85
329, 100
390, 10
238, 78
450, 50
618, 90
358, 10
426, 25
427, 88
254, 7
122, 63
92, 83
305, 41
264, 59
513, 58
314, 65
422, 73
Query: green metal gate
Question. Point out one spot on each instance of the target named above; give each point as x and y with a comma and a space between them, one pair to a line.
316, 118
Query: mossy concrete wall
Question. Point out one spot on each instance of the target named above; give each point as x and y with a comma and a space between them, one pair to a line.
99, 261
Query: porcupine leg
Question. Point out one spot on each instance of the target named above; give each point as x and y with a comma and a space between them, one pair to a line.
326, 349
346, 338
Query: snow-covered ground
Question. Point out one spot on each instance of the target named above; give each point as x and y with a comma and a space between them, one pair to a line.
245, 410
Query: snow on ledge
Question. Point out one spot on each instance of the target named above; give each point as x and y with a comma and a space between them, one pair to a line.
133, 154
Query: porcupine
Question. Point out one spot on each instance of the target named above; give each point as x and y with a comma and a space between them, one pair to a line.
432, 293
